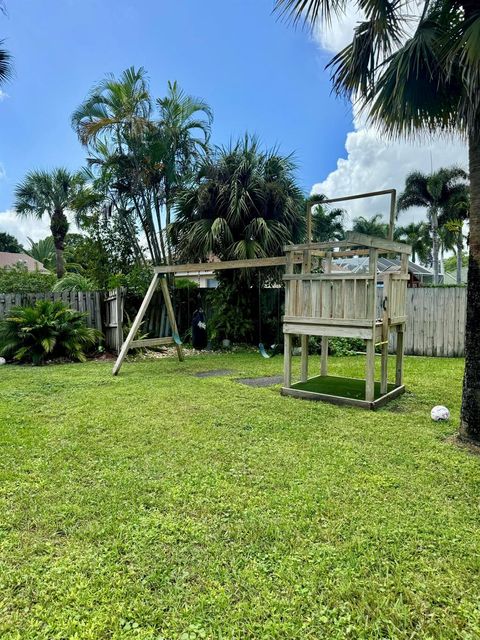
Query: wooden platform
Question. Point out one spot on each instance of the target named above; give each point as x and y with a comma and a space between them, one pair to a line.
341, 391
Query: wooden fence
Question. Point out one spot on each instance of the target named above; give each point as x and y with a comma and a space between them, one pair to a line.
435, 325
89, 302
435, 322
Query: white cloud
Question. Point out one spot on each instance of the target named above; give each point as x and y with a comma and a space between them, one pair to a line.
23, 228
372, 163
3, 95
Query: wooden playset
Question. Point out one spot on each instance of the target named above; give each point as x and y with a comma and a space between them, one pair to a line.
324, 300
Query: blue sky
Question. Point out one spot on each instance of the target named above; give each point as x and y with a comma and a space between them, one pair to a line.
256, 72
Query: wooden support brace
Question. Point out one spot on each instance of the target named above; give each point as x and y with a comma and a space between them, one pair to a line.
135, 325
287, 361
370, 372
171, 315
304, 358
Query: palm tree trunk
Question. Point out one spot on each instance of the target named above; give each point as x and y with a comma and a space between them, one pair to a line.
434, 223
470, 413
459, 255
59, 228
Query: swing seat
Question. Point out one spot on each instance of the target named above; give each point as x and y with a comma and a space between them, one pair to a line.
263, 352
176, 338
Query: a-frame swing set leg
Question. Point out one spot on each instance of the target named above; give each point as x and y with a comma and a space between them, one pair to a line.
130, 342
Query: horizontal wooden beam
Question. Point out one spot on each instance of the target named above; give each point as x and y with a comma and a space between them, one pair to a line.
357, 196
151, 342
341, 322
312, 246
378, 243
334, 275
197, 267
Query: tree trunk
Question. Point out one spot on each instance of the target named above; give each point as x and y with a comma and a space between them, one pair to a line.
470, 413
59, 228
434, 223
459, 255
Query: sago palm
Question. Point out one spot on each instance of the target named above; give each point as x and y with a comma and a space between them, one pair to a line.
435, 192
50, 193
419, 73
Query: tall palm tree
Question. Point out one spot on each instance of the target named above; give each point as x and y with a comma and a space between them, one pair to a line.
327, 224
51, 193
435, 192
452, 220
116, 109
417, 235
244, 203
141, 160
419, 74
371, 226
184, 128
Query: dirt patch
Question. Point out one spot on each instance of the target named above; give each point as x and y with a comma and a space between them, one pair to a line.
267, 381
214, 373
467, 445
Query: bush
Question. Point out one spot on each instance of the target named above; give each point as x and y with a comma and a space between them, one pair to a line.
345, 346
46, 330
337, 346
20, 280
75, 282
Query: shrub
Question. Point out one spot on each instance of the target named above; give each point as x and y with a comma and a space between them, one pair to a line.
75, 282
345, 346
46, 330
20, 280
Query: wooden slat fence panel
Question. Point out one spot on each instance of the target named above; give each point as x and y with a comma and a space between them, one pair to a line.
435, 321
89, 302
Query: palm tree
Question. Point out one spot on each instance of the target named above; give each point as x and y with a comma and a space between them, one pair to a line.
371, 226
5, 64
244, 203
419, 74
452, 220
141, 162
435, 192
5, 57
51, 193
417, 235
327, 224
184, 129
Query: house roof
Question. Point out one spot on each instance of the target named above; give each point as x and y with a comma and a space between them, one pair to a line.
8, 259
359, 264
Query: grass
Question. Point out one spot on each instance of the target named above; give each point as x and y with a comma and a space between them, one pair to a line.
339, 386
161, 505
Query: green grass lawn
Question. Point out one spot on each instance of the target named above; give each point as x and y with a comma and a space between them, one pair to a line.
161, 505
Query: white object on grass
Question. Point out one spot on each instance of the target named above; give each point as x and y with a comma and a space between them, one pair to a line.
3, 361
440, 413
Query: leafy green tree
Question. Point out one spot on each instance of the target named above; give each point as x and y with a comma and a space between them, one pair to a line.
415, 74
417, 235
51, 193
436, 192
371, 226
10, 244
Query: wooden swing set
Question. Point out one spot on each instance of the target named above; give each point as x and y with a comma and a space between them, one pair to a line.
320, 301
